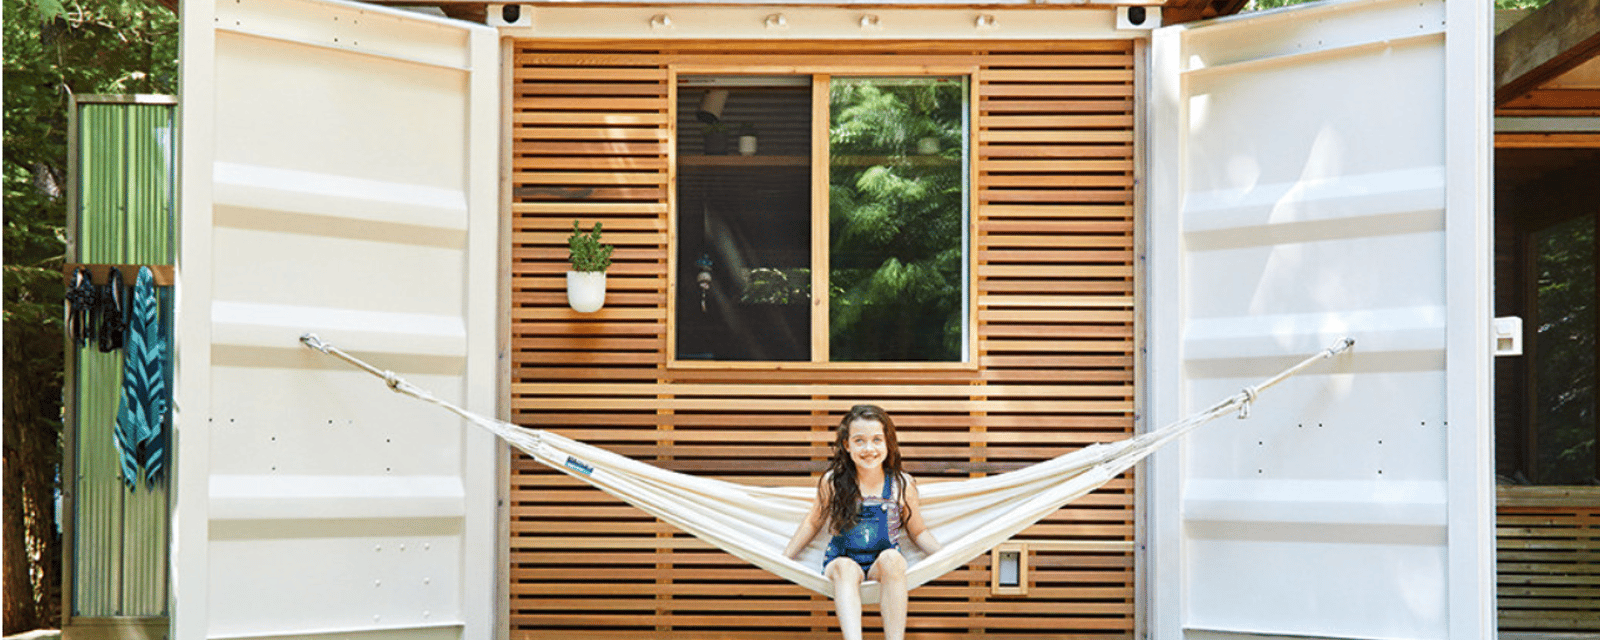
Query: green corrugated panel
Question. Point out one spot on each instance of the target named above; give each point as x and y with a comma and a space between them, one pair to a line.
100, 495
126, 193
126, 184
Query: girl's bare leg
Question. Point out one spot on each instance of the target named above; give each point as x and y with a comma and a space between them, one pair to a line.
846, 576
890, 572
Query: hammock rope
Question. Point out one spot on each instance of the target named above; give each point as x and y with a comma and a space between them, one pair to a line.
968, 516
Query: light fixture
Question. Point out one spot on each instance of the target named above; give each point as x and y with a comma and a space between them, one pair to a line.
1008, 569
710, 111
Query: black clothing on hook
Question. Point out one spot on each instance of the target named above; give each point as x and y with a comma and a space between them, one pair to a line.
113, 317
81, 316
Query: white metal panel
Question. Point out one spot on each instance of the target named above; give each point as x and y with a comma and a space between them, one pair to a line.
341, 177
1315, 175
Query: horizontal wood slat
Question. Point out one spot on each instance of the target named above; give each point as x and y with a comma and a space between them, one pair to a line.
1052, 245
1548, 568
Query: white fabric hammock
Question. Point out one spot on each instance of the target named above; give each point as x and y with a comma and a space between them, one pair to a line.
968, 517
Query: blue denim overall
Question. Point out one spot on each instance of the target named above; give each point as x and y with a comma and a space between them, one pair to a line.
875, 531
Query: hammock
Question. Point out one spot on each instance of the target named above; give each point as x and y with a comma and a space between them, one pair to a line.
968, 517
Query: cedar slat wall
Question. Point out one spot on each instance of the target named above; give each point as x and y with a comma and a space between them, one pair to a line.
1548, 559
1054, 330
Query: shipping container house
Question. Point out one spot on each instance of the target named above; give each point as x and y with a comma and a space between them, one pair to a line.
1136, 221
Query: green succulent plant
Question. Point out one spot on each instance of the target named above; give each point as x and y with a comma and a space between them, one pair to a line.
588, 252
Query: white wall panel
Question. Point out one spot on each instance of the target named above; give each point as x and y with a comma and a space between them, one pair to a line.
350, 167
1301, 192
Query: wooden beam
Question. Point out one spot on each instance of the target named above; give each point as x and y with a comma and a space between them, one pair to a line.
163, 274
1180, 11
1549, 42
1546, 140
1172, 11
474, 12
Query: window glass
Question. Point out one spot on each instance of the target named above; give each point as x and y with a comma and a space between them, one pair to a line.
894, 250
744, 221
1564, 355
897, 212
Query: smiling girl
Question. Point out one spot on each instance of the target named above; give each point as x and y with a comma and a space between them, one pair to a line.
866, 501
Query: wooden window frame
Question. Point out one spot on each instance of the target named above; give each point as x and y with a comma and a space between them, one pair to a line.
821, 77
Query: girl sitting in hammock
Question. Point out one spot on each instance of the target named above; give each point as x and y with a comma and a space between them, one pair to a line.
866, 501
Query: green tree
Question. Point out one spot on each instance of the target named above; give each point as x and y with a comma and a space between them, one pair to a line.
1565, 354
895, 213
53, 49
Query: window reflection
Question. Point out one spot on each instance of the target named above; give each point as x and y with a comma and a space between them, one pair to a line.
744, 221
896, 244
897, 204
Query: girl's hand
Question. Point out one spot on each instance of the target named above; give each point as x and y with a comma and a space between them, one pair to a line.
810, 525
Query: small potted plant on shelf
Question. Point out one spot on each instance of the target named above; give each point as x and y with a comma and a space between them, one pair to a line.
716, 138
586, 282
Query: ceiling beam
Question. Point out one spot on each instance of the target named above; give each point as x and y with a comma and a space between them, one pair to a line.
1547, 43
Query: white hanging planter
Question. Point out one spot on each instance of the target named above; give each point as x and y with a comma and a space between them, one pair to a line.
586, 290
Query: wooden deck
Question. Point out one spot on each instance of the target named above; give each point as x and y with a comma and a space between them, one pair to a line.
1549, 562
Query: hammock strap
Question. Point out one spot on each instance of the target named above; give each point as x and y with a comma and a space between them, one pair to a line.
1240, 401
397, 384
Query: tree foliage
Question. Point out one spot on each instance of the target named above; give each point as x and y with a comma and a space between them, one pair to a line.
1565, 354
53, 49
895, 212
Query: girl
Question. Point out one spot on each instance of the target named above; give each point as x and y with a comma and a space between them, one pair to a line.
866, 501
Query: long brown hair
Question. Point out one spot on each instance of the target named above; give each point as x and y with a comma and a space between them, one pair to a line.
844, 497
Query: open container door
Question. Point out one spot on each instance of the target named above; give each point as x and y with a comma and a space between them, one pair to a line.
1320, 172
340, 177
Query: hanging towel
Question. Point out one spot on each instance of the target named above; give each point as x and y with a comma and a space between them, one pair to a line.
142, 412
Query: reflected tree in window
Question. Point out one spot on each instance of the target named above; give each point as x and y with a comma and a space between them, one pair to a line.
896, 218
1565, 354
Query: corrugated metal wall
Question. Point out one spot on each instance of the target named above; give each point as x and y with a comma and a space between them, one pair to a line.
1314, 175
1053, 240
125, 207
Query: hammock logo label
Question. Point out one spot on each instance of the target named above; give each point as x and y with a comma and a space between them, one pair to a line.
578, 466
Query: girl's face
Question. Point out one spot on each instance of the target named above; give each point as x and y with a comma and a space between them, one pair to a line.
867, 444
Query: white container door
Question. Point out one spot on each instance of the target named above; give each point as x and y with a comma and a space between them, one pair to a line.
340, 176
1321, 172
